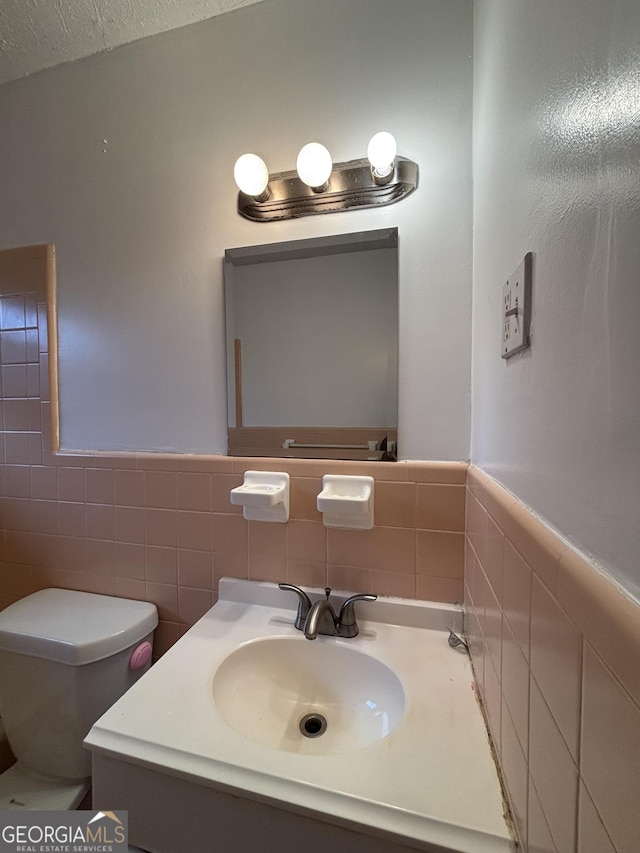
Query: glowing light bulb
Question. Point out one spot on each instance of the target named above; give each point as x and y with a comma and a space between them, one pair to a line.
251, 175
314, 165
381, 152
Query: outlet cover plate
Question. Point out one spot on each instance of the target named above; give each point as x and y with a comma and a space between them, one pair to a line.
516, 309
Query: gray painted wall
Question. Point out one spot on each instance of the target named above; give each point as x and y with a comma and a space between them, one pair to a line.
556, 171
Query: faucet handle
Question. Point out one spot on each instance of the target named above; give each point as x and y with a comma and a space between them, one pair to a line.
304, 603
347, 625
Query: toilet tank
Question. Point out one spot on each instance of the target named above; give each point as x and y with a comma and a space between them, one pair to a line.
65, 657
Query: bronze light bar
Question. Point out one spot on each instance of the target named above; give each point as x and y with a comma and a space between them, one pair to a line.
350, 186
320, 186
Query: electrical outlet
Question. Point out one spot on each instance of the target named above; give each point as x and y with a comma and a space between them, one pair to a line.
516, 309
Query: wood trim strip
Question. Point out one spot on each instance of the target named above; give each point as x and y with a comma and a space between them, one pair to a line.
237, 356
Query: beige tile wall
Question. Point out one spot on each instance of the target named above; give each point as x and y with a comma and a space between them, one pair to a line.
556, 651
162, 528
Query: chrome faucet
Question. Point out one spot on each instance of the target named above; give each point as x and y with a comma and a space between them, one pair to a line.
321, 618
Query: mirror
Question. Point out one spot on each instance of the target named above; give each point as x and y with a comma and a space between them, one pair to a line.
312, 347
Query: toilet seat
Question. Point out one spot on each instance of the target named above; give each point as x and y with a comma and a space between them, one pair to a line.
23, 790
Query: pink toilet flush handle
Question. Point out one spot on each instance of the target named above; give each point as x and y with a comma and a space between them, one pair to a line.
140, 655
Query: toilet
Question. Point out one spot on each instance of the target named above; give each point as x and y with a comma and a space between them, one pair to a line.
65, 657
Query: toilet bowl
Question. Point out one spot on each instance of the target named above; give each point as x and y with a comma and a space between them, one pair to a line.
65, 657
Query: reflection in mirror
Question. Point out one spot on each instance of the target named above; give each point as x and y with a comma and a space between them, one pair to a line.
312, 347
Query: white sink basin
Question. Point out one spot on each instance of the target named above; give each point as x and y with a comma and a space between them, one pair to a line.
308, 697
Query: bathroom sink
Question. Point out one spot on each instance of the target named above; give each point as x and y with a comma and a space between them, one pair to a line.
307, 697
214, 729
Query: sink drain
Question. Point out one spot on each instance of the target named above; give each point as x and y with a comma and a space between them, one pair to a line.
313, 725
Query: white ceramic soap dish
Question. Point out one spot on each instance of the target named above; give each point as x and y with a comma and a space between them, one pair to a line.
346, 501
264, 496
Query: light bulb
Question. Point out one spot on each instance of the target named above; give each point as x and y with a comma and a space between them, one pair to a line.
251, 175
381, 152
314, 165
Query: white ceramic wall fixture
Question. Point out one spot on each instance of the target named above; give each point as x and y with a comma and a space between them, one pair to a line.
347, 501
187, 776
263, 496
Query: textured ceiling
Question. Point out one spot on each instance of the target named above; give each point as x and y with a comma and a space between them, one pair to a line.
36, 34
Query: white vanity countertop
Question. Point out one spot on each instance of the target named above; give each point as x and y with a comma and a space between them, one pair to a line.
432, 779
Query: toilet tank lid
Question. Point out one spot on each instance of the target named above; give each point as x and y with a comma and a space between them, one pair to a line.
74, 627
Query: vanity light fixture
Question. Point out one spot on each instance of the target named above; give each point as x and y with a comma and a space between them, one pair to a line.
321, 186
